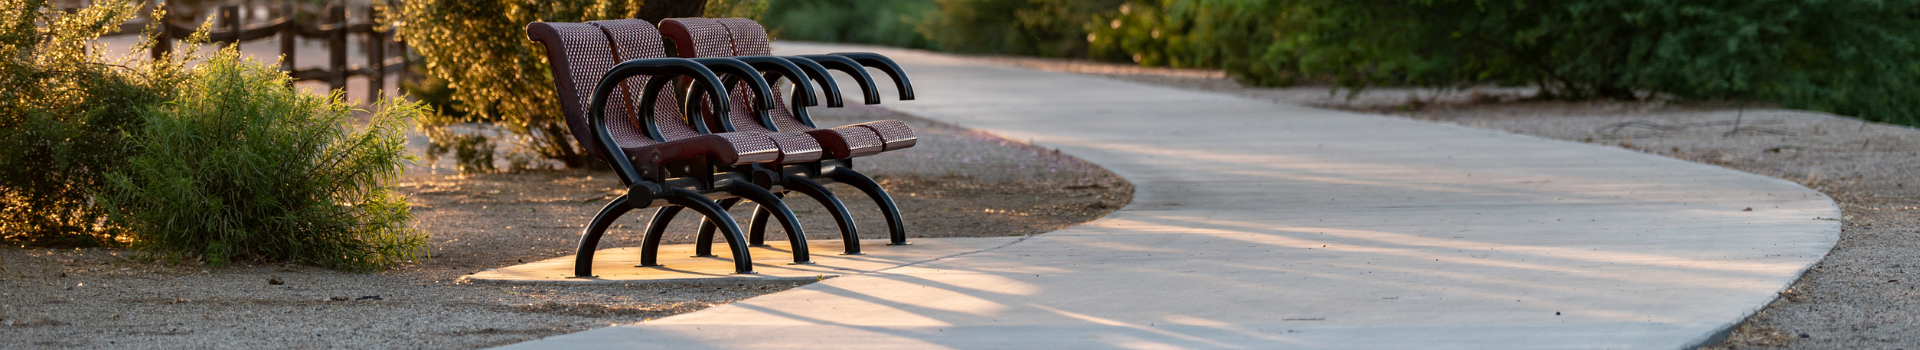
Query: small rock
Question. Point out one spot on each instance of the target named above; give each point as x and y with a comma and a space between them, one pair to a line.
369, 297
338, 298
8, 322
1747, 209
275, 281
1804, 335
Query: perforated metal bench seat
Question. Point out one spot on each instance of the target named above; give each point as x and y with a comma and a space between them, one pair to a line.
636, 39
728, 37
579, 47
745, 40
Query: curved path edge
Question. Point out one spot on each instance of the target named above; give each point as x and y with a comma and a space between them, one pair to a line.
1261, 225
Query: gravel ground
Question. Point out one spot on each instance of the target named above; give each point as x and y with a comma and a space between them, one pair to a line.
1864, 295
954, 183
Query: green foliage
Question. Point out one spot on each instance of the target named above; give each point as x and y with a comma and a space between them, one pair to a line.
881, 22
65, 115
242, 166
1047, 28
499, 78
1051, 28
1847, 57
473, 151
736, 9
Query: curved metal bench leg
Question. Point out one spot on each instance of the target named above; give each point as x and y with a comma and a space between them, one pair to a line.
737, 242
650, 248
834, 207
590, 237
705, 235
898, 230
796, 236
757, 226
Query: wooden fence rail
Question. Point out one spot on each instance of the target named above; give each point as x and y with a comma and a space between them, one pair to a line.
229, 30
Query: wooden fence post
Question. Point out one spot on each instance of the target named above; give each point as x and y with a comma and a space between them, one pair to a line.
289, 32
376, 56
162, 43
230, 19
399, 48
337, 43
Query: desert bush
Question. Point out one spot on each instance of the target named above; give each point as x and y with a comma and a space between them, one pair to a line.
65, 117
1848, 57
495, 79
242, 166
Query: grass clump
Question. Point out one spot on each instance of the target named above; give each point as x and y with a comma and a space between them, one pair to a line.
242, 166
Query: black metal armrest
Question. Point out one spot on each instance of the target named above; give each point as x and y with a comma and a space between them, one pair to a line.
820, 76
651, 94
884, 64
848, 65
660, 68
722, 122
745, 72
782, 67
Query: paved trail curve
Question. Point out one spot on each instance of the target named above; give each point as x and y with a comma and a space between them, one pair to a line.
1261, 225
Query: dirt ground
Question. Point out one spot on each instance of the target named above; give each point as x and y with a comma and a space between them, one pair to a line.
1865, 294
954, 183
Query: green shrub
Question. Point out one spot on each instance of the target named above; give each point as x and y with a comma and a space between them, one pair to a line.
880, 22
241, 166
65, 115
1047, 28
1252, 40
1847, 57
498, 79
736, 9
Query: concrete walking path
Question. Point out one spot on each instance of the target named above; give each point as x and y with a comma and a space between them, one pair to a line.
1259, 225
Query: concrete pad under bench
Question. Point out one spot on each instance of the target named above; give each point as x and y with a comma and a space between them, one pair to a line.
773, 262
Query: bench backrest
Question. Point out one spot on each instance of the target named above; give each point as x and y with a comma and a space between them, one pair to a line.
579, 54
636, 39
727, 37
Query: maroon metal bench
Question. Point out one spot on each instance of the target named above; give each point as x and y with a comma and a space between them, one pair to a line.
665, 159
636, 39
744, 39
